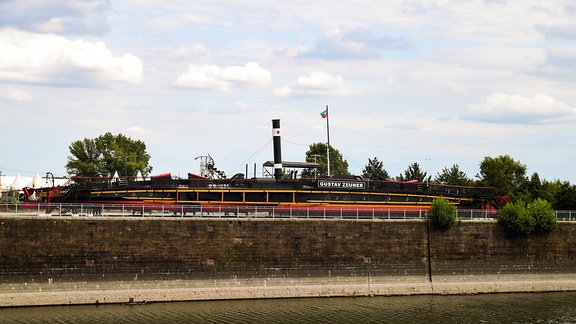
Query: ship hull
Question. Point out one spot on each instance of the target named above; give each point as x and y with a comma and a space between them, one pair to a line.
335, 193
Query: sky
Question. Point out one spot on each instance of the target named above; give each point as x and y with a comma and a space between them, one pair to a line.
433, 82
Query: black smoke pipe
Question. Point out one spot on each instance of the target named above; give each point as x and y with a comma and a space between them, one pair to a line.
277, 149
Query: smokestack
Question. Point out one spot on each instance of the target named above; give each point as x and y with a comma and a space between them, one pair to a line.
277, 149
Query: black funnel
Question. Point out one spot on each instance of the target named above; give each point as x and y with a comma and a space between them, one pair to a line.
277, 149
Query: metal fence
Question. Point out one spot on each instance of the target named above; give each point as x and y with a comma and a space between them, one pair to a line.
242, 211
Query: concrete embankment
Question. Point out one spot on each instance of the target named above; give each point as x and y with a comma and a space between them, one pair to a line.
84, 260
119, 292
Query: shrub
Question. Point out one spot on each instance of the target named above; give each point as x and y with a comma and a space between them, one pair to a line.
520, 219
516, 219
442, 213
543, 214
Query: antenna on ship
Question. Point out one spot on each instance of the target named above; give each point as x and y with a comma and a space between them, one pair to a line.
277, 149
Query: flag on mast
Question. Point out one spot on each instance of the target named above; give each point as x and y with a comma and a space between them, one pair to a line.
324, 114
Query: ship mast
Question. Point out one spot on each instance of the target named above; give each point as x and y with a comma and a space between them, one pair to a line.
328, 139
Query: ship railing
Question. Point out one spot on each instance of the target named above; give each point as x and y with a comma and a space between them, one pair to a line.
243, 211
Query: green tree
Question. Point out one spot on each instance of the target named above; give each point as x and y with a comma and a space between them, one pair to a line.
414, 172
317, 153
374, 170
453, 176
108, 154
85, 159
505, 174
565, 198
442, 213
533, 188
549, 191
123, 154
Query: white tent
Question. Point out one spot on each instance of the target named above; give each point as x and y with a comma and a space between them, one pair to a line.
139, 176
18, 183
36, 182
6, 181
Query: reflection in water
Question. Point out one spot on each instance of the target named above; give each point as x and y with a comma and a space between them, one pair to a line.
510, 308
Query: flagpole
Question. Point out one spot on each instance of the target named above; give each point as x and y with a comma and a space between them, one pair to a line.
328, 138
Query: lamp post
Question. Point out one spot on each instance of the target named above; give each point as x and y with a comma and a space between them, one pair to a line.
315, 169
427, 161
50, 176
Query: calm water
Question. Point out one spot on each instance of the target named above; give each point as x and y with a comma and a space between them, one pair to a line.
500, 308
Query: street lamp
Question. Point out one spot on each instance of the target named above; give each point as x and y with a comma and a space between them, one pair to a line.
315, 169
427, 169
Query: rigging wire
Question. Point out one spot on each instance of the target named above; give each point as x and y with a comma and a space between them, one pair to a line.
352, 161
294, 143
348, 158
255, 154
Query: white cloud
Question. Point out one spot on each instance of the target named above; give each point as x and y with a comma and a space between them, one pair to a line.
559, 63
319, 80
240, 106
176, 22
510, 108
224, 78
191, 51
136, 130
334, 45
51, 59
282, 92
15, 94
563, 57
561, 31
357, 44
290, 52
316, 83
60, 17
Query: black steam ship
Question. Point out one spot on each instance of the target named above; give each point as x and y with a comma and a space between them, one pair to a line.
212, 188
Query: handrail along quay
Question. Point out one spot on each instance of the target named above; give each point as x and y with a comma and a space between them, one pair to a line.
244, 211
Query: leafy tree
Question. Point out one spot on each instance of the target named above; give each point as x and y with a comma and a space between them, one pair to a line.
533, 187
544, 218
548, 190
317, 153
453, 176
122, 154
86, 159
414, 173
442, 213
505, 174
374, 170
565, 196
516, 219
108, 154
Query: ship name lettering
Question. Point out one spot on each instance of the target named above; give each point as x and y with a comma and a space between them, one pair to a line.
341, 184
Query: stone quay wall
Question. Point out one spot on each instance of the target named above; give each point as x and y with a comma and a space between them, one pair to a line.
48, 260
99, 248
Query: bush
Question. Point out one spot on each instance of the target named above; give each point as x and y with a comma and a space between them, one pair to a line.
543, 214
516, 219
519, 219
442, 213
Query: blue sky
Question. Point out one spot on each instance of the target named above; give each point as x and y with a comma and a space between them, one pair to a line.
434, 82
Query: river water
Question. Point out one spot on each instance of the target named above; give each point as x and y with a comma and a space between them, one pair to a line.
494, 308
